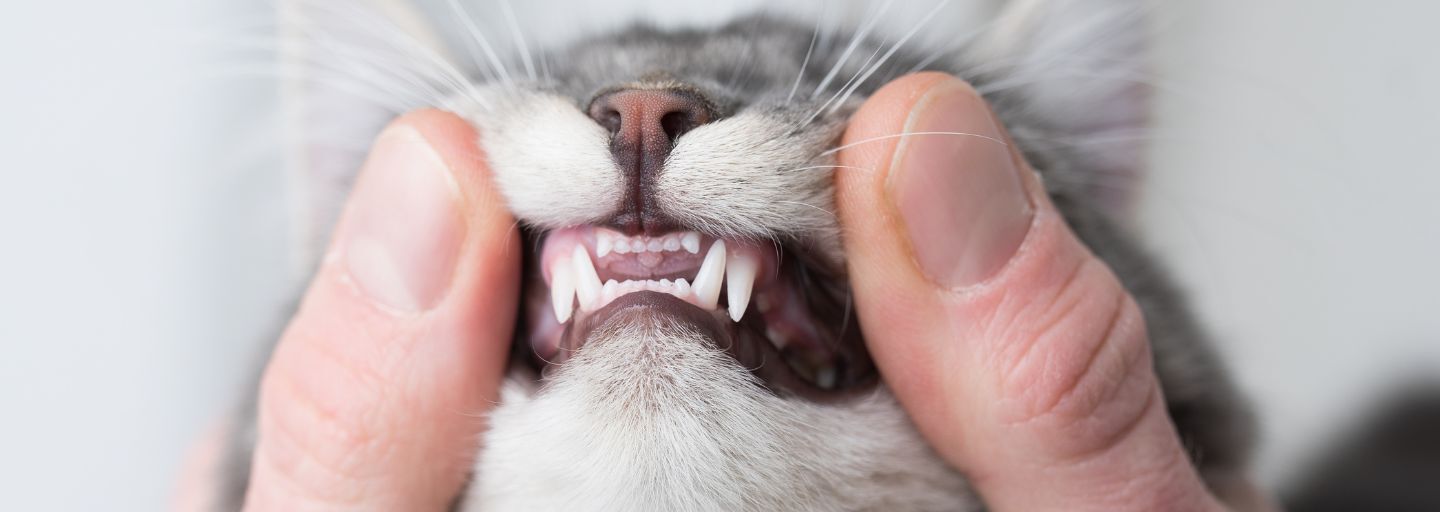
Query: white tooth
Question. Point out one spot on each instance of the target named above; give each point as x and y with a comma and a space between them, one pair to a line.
666, 284
655, 245
603, 244
682, 287
691, 242
707, 281
672, 243
562, 289
621, 246
740, 271
587, 282
776, 338
825, 378
609, 292
637, 245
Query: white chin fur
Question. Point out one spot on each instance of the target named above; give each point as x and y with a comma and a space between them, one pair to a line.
651, 416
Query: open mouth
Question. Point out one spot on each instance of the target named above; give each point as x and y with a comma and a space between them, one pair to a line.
778, 313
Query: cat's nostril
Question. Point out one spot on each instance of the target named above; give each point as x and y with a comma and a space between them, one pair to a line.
650, 116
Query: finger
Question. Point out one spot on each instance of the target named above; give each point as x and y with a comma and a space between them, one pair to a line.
374, 395
1016, 351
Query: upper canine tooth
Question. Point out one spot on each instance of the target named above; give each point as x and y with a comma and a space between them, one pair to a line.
691, 242
740, 271
707, 281
587, 282
562, 289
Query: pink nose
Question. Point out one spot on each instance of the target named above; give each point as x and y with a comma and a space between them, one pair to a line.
644, 124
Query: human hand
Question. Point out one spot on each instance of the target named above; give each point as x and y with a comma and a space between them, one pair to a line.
1015, 350
374, 397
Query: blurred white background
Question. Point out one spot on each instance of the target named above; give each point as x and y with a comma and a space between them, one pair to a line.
1293, 189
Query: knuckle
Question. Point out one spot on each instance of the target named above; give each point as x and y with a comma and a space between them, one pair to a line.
1078, 373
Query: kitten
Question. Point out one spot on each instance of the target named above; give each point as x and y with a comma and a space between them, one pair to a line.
674, 165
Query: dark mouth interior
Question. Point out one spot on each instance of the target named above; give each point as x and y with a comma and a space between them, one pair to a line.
797, 333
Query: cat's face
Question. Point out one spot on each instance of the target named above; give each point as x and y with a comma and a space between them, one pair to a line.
680, 164
685, 301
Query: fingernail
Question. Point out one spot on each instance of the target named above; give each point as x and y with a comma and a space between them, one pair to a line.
961, 196
402, 232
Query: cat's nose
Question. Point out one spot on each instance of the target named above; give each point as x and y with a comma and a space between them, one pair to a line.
643, 125
649, 117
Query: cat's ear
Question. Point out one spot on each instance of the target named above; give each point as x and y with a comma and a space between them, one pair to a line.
1070, 77
347, 67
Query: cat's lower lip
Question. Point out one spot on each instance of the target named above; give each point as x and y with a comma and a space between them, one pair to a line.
707, 322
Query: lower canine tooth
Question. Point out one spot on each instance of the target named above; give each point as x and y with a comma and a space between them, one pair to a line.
708, 280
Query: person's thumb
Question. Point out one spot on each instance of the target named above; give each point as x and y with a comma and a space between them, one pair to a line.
374, 397
1015, 350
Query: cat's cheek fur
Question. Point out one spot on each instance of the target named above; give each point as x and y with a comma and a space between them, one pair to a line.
653, 417
551, 161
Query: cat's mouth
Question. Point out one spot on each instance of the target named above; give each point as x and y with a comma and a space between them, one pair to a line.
765, 305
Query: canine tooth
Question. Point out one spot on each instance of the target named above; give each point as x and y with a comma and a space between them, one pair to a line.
637, 245
682, 287
587, 282
740, 271
672, 243
655, 245
562, 290
707, 281
691, 242
603, 244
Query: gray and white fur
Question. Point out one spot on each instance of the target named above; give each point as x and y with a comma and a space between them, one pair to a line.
1064, 75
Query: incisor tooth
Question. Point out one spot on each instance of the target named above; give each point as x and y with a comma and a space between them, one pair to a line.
672, 243
740, 270
587, 282
708, 280
609, 292
691, 242
603, 244
562, 289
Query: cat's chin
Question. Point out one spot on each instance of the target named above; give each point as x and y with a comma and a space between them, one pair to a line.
653, 414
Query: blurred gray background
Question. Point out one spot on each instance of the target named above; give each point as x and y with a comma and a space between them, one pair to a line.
1293, 189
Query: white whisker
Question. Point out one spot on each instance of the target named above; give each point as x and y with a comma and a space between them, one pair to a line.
814, 36
529, 62
914, 30
474, 29
855, 41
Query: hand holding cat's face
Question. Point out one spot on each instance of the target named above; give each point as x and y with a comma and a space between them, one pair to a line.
1025, 364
